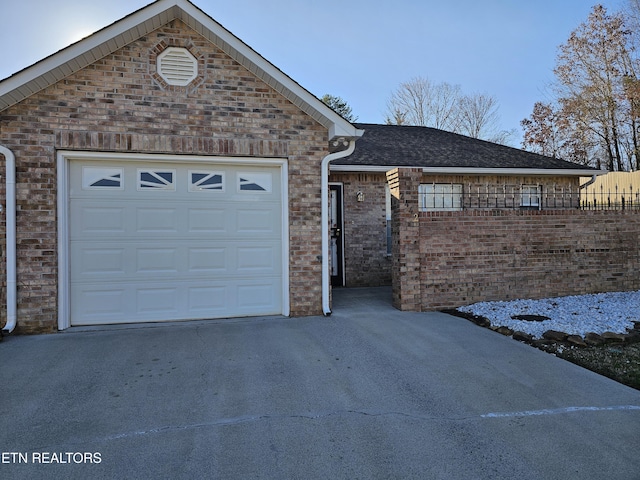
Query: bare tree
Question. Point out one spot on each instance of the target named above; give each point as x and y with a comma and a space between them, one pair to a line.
421, 102
478, 116
589, 73
396, 117
444, 106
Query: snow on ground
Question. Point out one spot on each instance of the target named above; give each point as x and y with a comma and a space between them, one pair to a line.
575, 315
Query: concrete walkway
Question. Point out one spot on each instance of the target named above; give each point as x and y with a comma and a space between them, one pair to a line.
369, 393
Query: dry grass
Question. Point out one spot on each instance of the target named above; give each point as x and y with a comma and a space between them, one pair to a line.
618, 362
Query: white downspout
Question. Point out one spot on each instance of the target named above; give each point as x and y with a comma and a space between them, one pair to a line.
10, 234
326, 307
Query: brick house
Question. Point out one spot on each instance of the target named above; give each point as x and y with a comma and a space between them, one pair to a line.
164, 170
160, 169
456, 173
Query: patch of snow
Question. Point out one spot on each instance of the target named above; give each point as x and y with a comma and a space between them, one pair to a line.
574, 315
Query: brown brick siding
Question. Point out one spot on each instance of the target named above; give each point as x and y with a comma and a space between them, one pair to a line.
365, 229
462, 257
474, 256
117, 104
405, 228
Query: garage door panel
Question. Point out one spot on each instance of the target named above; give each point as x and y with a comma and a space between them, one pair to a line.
99, 304
141, 255
101, 261
99, 220
205, 300
207, 220
256, 220
255, 295
207, 260
158, 300
157, 220
254, 259
142, 261
157, 260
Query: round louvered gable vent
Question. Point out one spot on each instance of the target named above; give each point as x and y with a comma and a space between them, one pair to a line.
177, 66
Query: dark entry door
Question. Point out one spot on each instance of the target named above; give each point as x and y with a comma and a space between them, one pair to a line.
336, 230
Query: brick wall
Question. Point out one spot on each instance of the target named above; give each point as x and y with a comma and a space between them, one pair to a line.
502, 255
480, 255
119, 104
365, 229
405, 229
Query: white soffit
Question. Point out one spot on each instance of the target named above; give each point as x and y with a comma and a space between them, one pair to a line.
106, 41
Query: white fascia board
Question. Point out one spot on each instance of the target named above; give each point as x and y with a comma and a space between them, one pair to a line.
568, 172
472, 171
362, 168
344, 129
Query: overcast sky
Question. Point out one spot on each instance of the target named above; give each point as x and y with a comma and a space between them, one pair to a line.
360, 50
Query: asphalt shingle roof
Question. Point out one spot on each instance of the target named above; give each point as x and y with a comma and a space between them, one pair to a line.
409, 146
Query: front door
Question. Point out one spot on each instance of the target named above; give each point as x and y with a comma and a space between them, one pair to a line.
336, 228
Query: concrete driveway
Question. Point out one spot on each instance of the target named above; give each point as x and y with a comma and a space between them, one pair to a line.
368, 393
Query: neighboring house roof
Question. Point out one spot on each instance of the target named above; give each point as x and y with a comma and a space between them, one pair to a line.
383, 147
106, 41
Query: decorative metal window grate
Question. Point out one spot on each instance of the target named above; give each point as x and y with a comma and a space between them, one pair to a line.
440, 196
530, 197
156, 179
177, 66
102, 178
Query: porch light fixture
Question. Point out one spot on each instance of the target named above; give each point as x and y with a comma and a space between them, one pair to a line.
360, 196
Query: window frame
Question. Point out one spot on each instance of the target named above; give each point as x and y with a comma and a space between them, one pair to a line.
440, 193
527, 197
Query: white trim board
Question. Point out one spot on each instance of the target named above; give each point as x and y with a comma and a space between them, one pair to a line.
471, 170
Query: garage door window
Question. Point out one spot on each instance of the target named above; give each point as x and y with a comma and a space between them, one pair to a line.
255, 182
101, 178
156, 179
202, 180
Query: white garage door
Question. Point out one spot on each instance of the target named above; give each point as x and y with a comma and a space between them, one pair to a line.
171, 241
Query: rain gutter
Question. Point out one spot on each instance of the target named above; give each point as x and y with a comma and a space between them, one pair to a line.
326, 288
10, 235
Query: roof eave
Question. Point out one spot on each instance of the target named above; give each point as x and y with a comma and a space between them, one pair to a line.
566, 172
